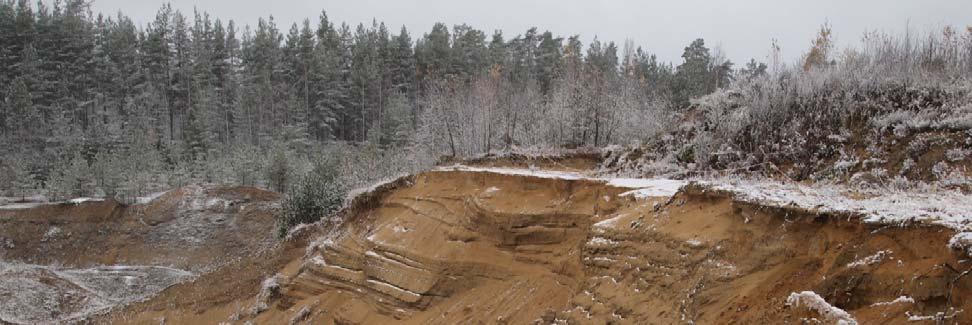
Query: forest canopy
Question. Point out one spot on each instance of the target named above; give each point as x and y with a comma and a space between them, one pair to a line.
95, 104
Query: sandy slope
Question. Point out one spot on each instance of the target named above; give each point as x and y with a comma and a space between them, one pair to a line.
467, 246
495, 245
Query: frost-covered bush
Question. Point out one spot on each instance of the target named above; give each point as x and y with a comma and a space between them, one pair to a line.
875, 178
317, 195
900, 183
278, 172
906, 166
956, 154
941, 170
807, 116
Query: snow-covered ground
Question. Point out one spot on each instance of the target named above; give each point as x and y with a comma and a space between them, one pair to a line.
815, 302
9, 203
32, 294
640, 187
944, 207
33, 204
149, 198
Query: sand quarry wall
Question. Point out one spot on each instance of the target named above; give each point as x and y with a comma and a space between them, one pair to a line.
450, 247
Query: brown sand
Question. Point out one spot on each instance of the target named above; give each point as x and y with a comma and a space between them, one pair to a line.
471, 248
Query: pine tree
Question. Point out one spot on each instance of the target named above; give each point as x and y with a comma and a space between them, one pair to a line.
693, 73
548, 58
497, 50
181, 86
433, 54
23, 119
470, 55
278, 173
156, 59
402, 70
329, 91
8, 53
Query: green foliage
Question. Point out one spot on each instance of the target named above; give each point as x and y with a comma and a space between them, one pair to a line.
753, 70
278, 172
692, 73
687, 155
15, 175
244, 165
73, 180
318, 195
106, 172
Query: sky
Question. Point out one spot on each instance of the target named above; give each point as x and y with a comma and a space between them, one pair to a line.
742, 29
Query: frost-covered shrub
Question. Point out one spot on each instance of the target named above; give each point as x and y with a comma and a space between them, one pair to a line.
319, 194
958, 119
956, 154
278, 172
906, 166
845, 163
875, 178
52, 233
941, 170
955, 178
900, 183
917, 147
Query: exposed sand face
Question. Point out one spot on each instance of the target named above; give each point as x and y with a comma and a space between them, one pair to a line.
465, 246
460, 247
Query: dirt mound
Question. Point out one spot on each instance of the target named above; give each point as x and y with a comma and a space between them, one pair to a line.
476, 247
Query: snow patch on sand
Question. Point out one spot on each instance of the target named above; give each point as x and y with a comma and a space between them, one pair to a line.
609, 223
817, 303
962, 241
947, 208
870, 260
641, 187
31, 294
601, 242
149, 198
85, 199
899, 300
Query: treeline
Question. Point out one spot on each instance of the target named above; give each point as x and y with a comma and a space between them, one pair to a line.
191, 97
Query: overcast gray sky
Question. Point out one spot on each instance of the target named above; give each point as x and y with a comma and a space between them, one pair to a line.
743, 28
